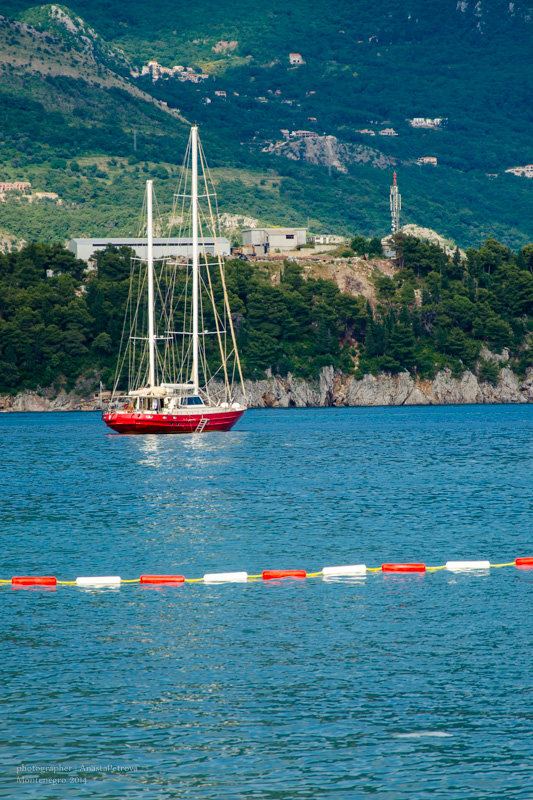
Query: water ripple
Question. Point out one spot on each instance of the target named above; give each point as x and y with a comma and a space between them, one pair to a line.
399, 686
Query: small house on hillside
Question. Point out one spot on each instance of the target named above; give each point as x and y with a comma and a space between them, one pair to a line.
15, 186
296, 59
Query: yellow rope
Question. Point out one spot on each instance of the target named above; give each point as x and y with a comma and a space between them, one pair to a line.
7, 581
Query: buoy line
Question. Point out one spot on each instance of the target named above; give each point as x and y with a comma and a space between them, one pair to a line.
349, 570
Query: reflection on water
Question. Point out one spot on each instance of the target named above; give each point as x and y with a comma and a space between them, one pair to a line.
153, 450
162, 451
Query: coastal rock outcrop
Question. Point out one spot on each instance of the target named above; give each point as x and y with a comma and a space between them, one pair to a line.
35, 401
331, 389
335, 389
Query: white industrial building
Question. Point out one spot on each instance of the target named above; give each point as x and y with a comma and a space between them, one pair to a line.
162, 248
264, 241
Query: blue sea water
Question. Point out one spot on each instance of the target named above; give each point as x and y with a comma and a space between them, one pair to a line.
390, 686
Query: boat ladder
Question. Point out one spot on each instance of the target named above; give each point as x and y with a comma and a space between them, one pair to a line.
201, 425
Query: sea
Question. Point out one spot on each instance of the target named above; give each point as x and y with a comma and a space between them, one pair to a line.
389, 686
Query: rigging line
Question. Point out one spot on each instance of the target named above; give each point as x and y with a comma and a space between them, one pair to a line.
123, 349
202, 353
158, 217
208, 286
124, 343
171, 305
140, 352
115, 385
141, 221
211, 181
226, 299
209, 289
223, 355
179, 367
135, 326
164, 291
182, 186
171, 349
132, 317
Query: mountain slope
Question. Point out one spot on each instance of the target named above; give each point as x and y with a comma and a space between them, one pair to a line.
75, 108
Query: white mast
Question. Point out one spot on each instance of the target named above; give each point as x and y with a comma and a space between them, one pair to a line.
150, 260
195, 259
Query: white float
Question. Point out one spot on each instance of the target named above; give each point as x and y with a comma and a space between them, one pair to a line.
457, 566
226, 577
350, 569
99, 580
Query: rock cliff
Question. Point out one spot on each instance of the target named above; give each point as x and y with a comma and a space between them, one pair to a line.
335, 389
332, 389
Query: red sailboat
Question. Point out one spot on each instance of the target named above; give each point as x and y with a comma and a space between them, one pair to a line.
163, 360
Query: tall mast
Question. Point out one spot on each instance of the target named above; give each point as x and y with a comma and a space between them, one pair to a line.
195, 259
150, 260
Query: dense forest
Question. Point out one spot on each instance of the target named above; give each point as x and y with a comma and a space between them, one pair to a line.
60, 324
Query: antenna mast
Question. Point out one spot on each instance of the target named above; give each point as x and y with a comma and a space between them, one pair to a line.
395, 205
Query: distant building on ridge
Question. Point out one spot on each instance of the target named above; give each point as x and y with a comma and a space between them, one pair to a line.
264, 241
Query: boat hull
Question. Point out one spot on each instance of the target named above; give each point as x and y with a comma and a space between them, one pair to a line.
135, 422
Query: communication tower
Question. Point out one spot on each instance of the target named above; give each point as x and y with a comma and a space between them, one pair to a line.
395, 205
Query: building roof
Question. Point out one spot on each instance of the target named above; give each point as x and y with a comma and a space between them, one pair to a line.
276, 230
139, 241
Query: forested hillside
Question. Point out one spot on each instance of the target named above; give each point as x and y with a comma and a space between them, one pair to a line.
59, 325
82, 123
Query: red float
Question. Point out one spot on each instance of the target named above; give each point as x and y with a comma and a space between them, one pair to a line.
34, 580
403, 567
272, 574
524, 562
162, 579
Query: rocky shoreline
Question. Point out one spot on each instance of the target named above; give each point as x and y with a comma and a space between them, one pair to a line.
332, 389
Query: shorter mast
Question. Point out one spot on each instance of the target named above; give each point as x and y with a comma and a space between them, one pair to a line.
150, 262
